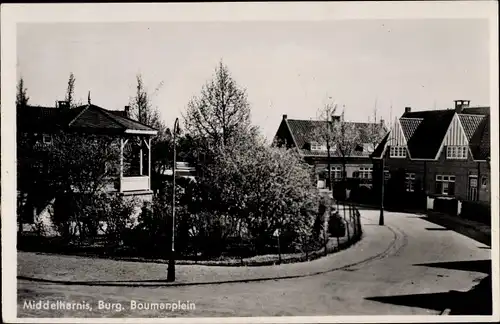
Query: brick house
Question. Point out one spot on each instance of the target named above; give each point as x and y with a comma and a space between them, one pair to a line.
436, 154
41, 124
296, 133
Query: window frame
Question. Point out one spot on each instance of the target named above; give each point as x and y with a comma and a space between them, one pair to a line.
317, 147
410, 179
457, 152
44, 136
444, 181
484, 181
397, 151
365, 172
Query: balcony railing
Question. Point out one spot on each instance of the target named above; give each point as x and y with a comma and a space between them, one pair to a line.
137, 183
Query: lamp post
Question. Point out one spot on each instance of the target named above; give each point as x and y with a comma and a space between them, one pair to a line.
171, 261
382, 182
381, 218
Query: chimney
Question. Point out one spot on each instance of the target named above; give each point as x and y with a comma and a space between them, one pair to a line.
382, 122
62, 104
407, 109
461, 104
127, 111
285, 116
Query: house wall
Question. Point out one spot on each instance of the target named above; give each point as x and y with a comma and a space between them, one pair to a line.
353, 165
426, 171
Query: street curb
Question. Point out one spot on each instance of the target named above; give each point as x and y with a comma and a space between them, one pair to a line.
164, 283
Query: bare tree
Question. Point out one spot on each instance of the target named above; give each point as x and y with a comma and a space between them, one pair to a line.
141, 108
347, 139
326, 133
221, 112
375, 131
22, 94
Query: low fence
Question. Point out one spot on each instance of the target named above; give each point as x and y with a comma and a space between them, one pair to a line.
340, 229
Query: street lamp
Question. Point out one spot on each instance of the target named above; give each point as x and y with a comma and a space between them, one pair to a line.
171, 261
381, 218
382, 183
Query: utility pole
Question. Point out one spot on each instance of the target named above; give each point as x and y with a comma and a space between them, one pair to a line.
171, 261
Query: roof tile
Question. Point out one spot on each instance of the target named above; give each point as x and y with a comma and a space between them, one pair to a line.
303, 130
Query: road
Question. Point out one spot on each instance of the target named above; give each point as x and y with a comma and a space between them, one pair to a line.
414, 277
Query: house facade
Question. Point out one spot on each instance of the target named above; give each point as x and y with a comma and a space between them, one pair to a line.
42, 124
299, 134
436, 154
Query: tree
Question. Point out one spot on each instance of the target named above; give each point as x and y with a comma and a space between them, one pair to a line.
22, 94
347, 138
22, 142
257, 190
80, 169
375, 131
142, 110
70, 90
221, 113
326, 133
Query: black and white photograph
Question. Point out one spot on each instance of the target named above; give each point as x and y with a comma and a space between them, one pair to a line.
271, 162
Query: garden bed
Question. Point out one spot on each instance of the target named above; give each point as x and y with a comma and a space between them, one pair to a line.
333, 245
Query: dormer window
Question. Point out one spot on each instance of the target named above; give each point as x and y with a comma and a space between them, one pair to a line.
315, 146
456, 152
398, 151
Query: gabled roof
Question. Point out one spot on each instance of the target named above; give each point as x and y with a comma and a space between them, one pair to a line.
89, 118
426, 130
480, 141
409, 126
427, 138
377, 153
303, 129
470, 123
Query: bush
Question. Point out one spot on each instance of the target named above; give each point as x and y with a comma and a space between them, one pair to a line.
362, 194
477, 211
336, 225
447, 206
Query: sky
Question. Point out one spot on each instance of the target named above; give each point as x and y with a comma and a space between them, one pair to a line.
286, 67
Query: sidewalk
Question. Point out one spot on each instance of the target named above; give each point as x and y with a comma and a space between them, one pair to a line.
69, 270
475, 230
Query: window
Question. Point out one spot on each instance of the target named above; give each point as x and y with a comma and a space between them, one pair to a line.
47, 139
410, 182
318, 147
484, 181
445, 185
398, 151
456, 152
368, 147
337, 172
365, 173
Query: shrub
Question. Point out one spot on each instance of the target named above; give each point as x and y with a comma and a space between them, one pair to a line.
477, 211
336, 225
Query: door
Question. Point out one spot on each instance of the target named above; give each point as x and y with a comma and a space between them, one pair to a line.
472, 192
